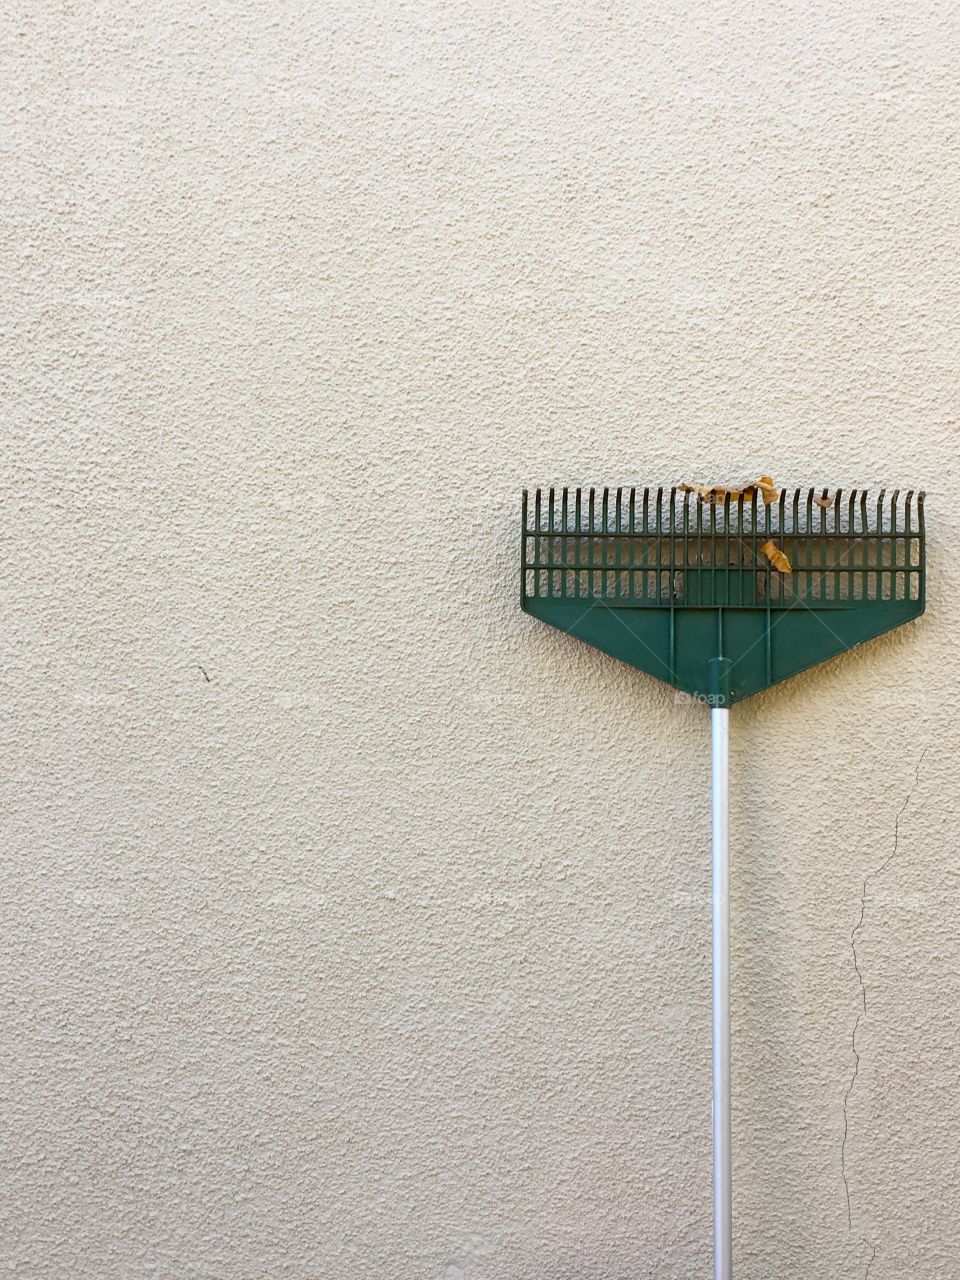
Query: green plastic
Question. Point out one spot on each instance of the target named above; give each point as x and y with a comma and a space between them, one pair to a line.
671, 583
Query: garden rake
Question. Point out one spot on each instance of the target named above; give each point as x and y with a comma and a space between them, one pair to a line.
722, 593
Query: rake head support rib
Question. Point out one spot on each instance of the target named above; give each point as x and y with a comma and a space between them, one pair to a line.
669, 582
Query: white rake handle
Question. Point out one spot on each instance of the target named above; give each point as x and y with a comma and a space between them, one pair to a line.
722, 1162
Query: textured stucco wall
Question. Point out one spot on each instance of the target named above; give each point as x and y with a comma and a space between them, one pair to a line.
354, 925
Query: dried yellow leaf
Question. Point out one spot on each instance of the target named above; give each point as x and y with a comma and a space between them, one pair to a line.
776, 556
706, 492
768, 490
710, 492
718, 492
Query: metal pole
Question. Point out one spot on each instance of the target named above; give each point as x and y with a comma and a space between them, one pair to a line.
722, 1163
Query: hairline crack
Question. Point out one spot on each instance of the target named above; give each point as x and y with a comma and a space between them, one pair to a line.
862, 1011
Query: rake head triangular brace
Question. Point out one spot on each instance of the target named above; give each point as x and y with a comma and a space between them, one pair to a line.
721, 594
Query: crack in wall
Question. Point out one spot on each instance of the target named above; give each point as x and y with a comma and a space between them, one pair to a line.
873, 1258
862, 1011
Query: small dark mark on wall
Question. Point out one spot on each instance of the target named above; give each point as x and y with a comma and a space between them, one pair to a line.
204, 674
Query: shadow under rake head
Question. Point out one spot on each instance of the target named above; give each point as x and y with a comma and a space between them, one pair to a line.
683, 589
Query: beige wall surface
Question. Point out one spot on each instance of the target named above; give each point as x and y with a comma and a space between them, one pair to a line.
354, 925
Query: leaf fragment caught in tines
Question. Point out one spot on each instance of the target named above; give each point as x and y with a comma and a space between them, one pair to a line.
765, 486
705, 491
768, 490
824, 502
776, 557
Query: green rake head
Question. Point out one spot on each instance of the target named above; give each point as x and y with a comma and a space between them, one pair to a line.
698, 593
